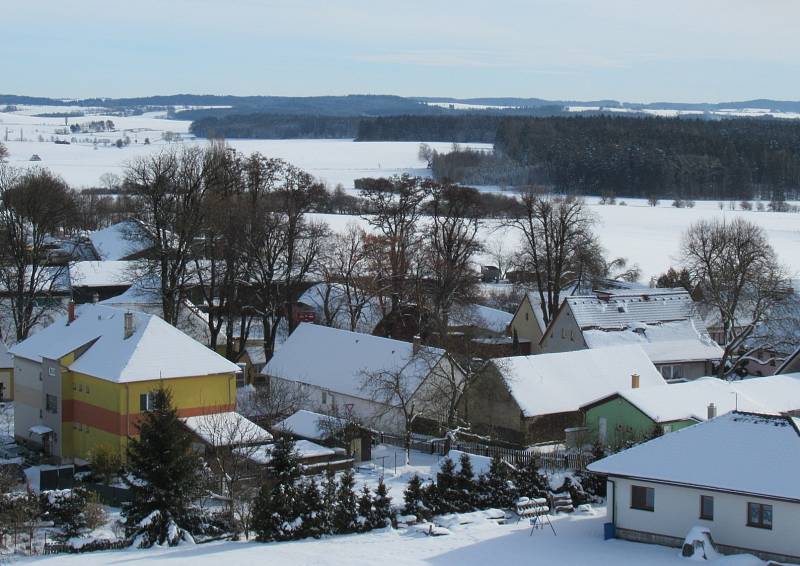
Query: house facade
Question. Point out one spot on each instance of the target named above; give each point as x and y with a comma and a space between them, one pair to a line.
86, 380
329, 367
527, 326
712, 475
662, 321
529, 399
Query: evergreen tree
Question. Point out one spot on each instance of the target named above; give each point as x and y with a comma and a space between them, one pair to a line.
382, 507
412, 498
166, 475
448, 497
345, 514
529, 480
496, 487
328, 501
365, 511
276, 510
465, 483
311, 514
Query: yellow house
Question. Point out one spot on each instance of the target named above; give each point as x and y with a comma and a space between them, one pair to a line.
528, 324
85, 381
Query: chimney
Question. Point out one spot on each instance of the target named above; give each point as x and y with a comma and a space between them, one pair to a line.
635, 381
416, 342
712, 411
70, 312
129, 326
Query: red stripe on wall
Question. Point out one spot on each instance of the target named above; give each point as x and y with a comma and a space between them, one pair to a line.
114, 423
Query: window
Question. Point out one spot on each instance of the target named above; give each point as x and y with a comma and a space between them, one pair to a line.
146, 402
324, 397
526, 316
707, 507
80, 387
87, 388
666, 428
51, 403
643, 498
671, 371
759, 515
51, 372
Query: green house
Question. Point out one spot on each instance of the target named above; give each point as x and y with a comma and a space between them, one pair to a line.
633, 415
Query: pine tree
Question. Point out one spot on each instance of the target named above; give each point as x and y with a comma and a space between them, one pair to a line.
529, 480
312, 515
382, 507
465, 482
345, 514
328, 501
446, 486
365, 511
412, 498
276, 513
166, 472
496, 488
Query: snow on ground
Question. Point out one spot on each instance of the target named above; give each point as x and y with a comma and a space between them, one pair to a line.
578, 541
645, 235
333, 161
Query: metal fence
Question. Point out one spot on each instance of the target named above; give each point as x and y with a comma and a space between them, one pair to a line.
552, 458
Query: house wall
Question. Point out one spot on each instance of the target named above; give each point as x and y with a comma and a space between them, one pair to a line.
549, 428
51, 385
98, 412
624, 422
7, 381
563, 334
490, 409
689, 370
677, 510
526, 326
325, 401
28, 399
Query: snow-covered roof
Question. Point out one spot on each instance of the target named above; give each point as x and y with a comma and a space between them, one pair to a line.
338, 360
738, 452
778, 393
482, 317
790, 363
307, 424
664, 342
6, 361
303, 448
101, 273
227, 429
690, 400
256, 354
558, 383
120, 240
154, 350
621, 310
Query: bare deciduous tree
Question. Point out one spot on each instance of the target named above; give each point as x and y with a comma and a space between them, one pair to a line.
736, 272
169, 188
395, 209
33, 206
451, 244
555, 230
273, 401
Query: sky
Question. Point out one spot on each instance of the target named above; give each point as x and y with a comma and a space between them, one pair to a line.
637, 51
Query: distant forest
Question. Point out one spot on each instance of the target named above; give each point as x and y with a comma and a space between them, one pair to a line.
638, 157
272, 126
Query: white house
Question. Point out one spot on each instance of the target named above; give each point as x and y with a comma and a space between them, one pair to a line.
735, 474
662, 321
329, 366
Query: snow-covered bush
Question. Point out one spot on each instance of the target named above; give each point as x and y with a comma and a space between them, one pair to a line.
67, 509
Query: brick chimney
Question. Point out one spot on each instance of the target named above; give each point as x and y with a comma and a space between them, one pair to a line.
130, 327
635, 381
712, 411
71, 312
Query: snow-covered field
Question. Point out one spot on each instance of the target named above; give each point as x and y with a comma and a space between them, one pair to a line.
648, 236
82, 164
645, 235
